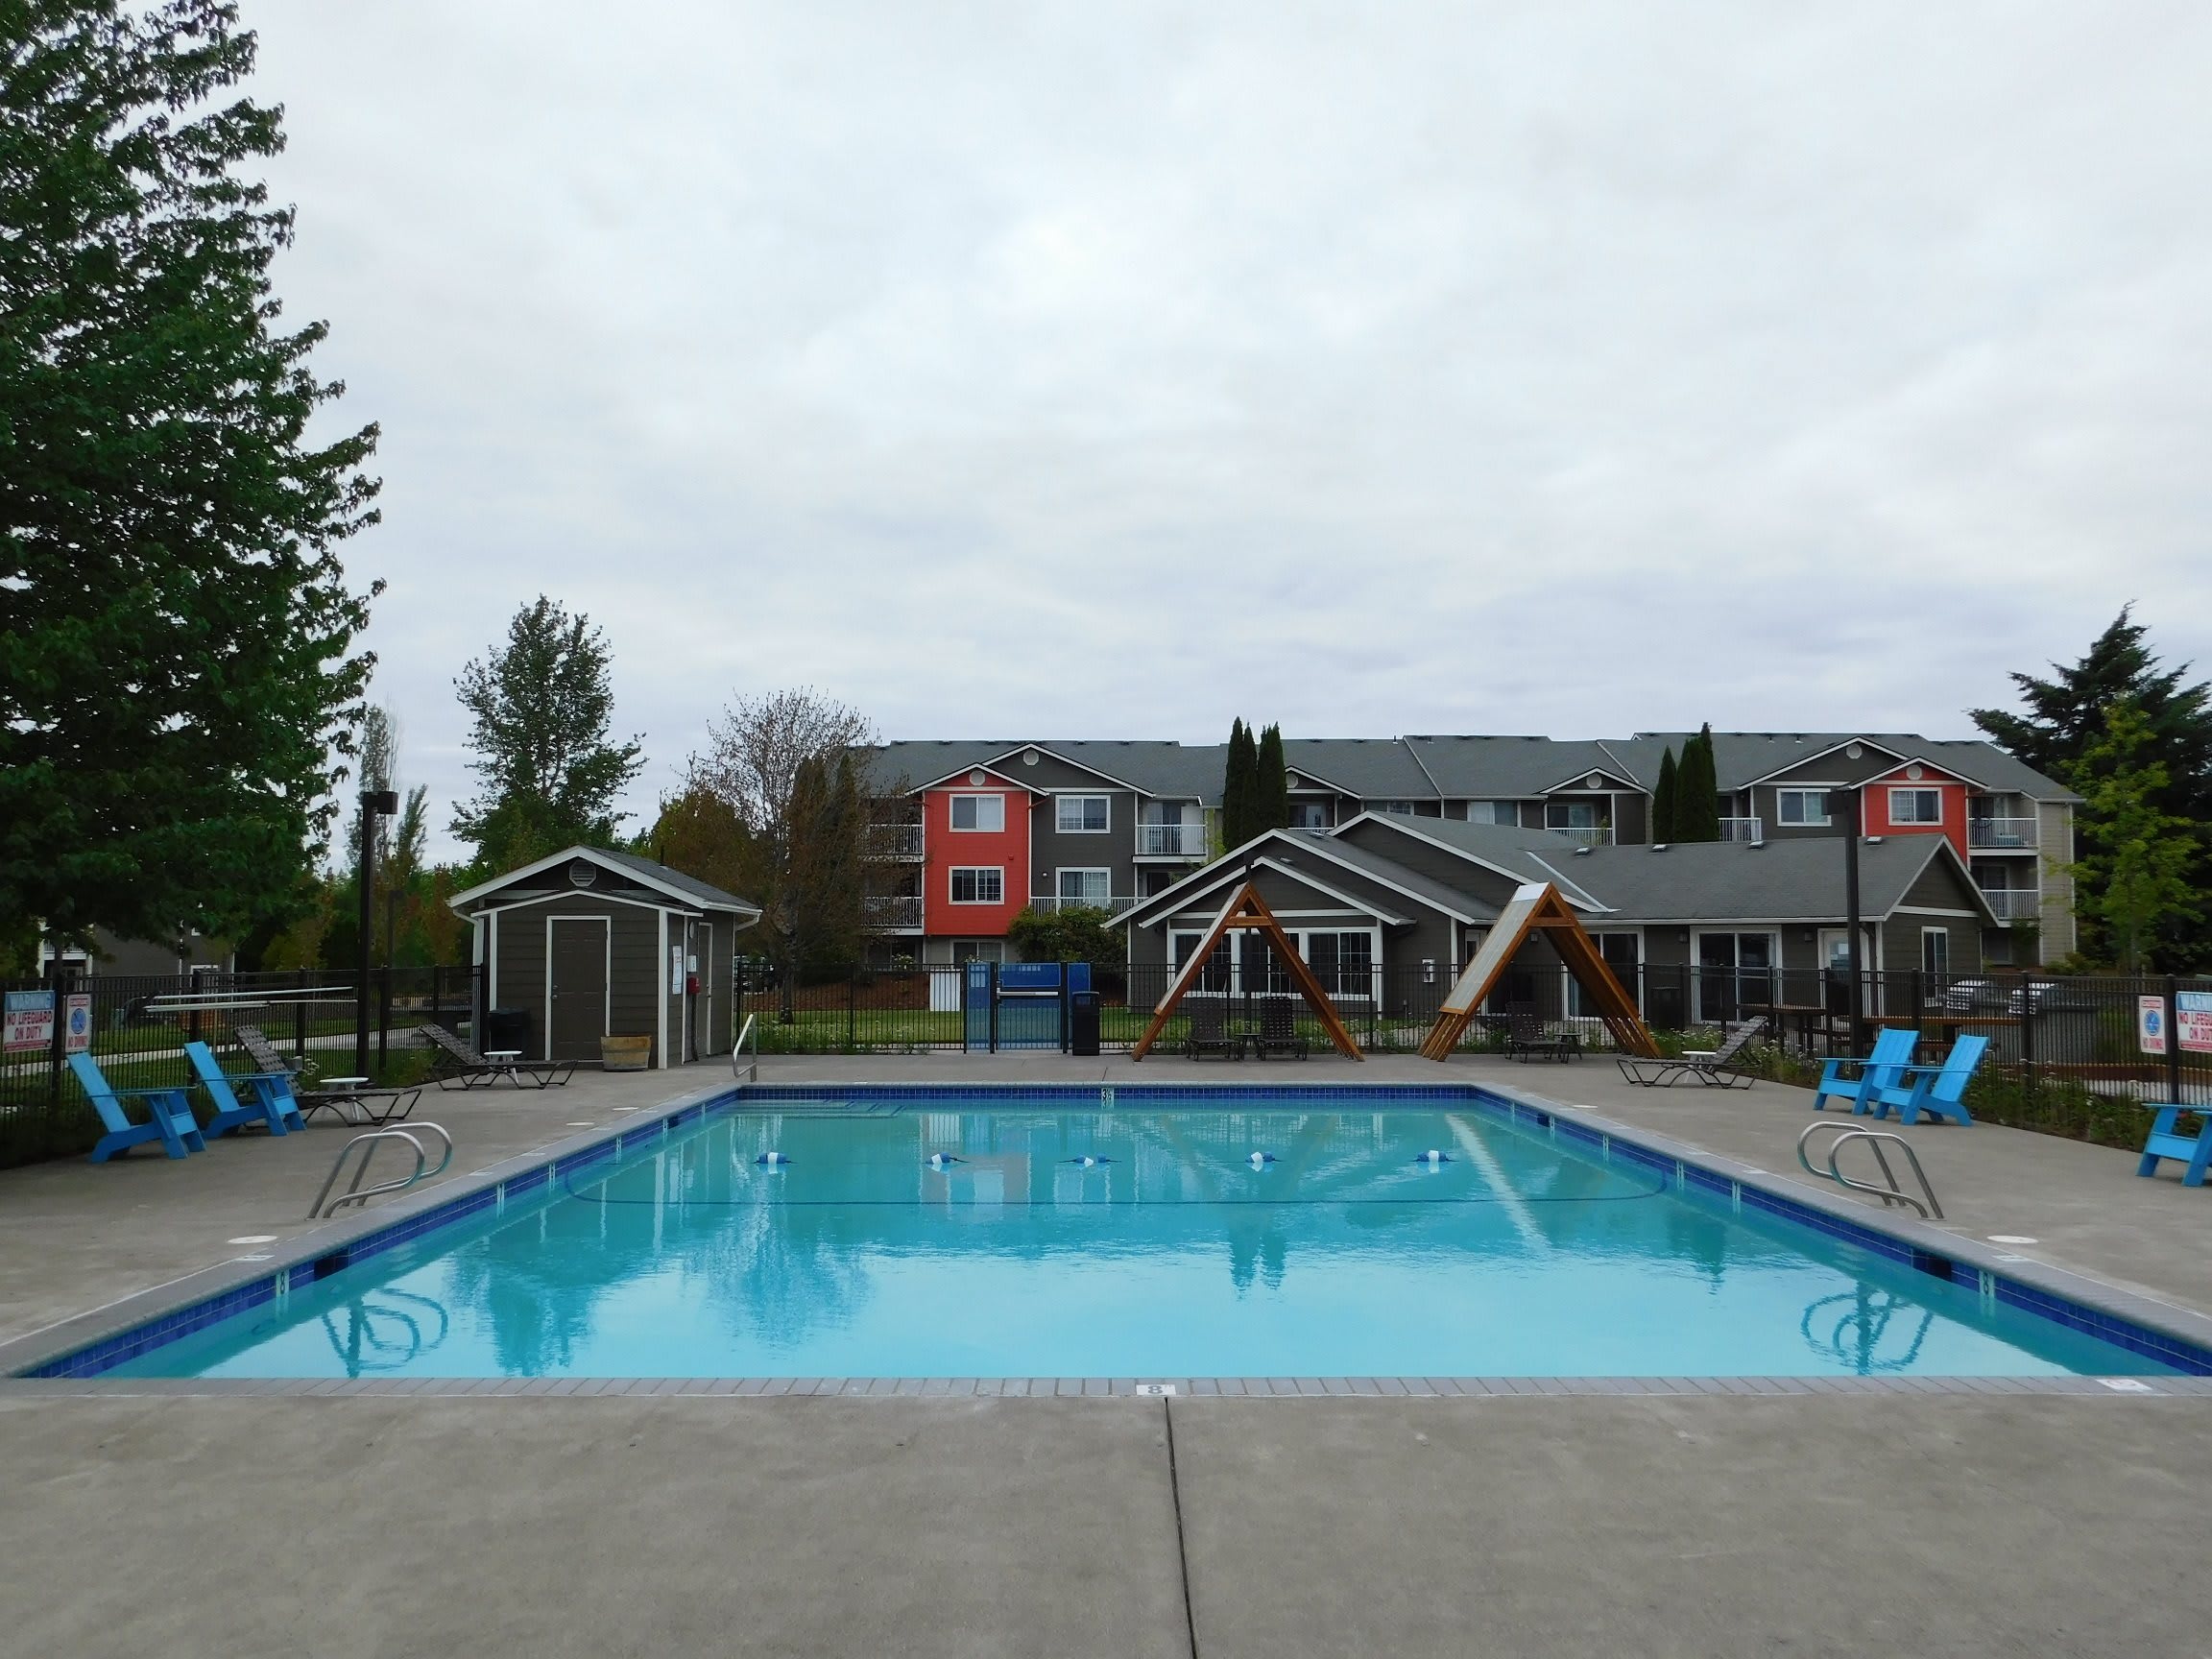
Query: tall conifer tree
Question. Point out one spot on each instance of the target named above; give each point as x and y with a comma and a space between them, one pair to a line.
1664, 798
1274, 792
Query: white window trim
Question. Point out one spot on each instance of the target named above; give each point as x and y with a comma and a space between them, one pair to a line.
1082, 870
607, 982
1826, 818
1944, 934
960, 794
1060, 802
1897, 789
959, 870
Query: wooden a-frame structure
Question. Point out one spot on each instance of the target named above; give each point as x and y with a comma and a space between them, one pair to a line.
1537, 908
1247, 912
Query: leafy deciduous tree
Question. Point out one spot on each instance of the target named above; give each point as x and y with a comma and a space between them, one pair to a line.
175, 624
542, 708
2136, 878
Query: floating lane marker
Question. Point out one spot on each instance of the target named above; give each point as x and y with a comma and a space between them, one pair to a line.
942, 1159
1088, 1162
1261, 1159
1434, 1157
772, 1159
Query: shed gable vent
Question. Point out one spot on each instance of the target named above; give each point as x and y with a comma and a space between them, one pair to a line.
582, 873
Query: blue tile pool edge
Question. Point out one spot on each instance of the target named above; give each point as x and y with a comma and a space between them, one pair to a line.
75, 1353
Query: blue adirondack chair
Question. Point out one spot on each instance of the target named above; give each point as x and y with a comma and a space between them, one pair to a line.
1939, 1091
270, 1095
170, 1108
1883, 1069
2193, 1152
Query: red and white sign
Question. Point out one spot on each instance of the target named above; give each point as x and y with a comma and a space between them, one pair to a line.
28, 1021
77, 1022
2151, 1024
2192, 1021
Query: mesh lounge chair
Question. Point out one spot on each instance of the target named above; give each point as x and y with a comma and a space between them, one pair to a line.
269, 1094
1278, 1028
1525, 1039
1209, 1030
169, 1106
363, 1105
460, 1062
1884, 1069
1714, 1067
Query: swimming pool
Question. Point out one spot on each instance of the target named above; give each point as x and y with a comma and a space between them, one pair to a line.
1316, 1233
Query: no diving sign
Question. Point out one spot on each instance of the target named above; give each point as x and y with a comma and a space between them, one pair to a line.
2192, 1022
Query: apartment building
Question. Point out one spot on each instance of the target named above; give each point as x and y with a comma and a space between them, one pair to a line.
969, 832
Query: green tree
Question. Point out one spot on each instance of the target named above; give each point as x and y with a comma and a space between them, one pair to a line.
1272, 798
542, 708
1697, 792
790, 768
1241, 788
1663, 799
1068, 933
2137, 880
176, 632
700, 833
2065, 719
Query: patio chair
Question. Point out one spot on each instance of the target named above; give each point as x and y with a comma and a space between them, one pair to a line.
1938, 1090
1881, 1070
271, 1093
2193, 1152
460, 1062
1710, 1067
1526, 1038
1209, 1030
352, 1105
1278, 1029
169, 1106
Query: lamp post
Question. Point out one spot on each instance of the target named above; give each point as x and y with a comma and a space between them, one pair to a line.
1851, 921
375, 804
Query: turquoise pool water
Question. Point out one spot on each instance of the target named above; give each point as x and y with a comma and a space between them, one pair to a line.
1135, 1242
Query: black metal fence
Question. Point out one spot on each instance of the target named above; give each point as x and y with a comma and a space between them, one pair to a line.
136, 1027
2103, 1036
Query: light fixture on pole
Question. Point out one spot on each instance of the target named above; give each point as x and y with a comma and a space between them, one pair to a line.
375, 804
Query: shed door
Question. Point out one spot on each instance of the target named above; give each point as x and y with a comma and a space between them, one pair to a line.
576, 959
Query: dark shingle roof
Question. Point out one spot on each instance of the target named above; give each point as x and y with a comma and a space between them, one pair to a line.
1798, 880
1370, 768
1740, 756
1511, 768
705, 892
1166, 770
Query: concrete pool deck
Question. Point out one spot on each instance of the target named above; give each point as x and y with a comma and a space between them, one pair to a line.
807, 1524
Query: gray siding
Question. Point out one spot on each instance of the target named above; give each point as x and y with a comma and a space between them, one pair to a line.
1050, 849
635, 968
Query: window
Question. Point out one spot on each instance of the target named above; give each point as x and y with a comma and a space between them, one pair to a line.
1493, 813
986, 886
1570, 814
1806, 806
1936, 951
1216, 976
1397, 808
966, 950
1343, 962
1308, 814
1620, 951
979, 812
1086, 886
1082, 815
1915, 807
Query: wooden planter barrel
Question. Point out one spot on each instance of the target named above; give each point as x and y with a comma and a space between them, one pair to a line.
625, 1053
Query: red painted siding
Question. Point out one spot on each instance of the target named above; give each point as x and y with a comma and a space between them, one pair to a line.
948, 849
1953, 790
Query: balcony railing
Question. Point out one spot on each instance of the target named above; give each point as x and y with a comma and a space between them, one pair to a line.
2014, 903
2001, 834
1583, 834
1742, 829
1044, 904
895, 913
894, 840
1170, 840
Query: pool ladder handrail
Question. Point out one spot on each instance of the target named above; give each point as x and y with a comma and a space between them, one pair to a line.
737, 1069
356, 1193
1894, 1193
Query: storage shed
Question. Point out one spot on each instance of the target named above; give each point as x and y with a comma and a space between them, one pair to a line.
590, 943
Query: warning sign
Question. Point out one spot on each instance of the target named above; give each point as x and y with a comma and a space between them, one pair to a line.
2151, 1024
77, 1022
2192, 1021
26, 1021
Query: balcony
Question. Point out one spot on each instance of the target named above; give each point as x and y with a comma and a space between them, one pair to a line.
1170, 840
895, 841
1742, 829
1584, 834
895, 913
1045, 903
2001, 834
2014, 903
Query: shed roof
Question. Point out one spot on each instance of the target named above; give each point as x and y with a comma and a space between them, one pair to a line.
687, 890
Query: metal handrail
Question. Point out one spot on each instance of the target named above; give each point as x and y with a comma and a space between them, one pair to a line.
1894, 1193
751, 1074
356, 1193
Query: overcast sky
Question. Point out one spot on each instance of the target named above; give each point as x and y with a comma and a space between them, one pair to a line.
1093, 370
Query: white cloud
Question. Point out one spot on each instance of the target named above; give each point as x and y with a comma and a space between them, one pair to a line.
1111, 370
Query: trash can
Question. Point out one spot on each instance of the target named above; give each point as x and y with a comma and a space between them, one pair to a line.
505, 1029
1083, 1024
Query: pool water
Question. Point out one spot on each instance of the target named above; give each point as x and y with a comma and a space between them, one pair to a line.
1128, 1244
